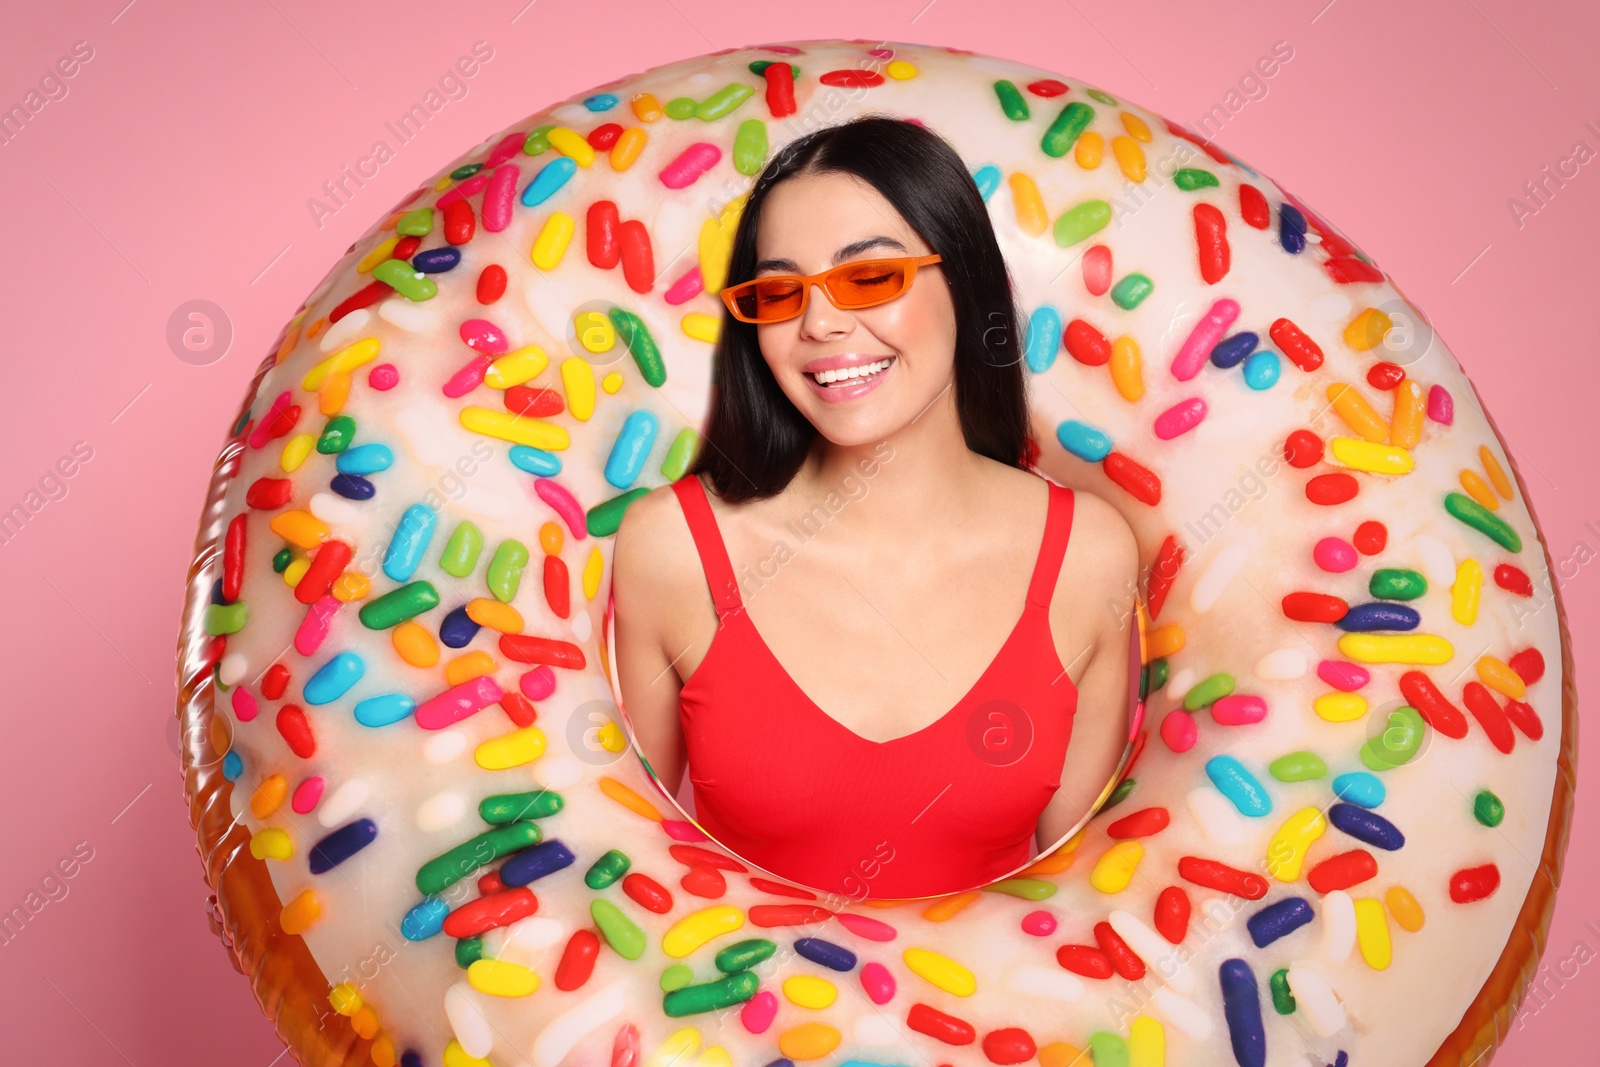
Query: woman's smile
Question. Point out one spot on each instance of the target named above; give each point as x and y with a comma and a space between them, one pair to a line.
846, 377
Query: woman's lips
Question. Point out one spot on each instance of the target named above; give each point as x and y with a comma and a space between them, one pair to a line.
851, 388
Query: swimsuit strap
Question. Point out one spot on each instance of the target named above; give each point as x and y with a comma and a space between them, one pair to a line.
1057, 532
708, 541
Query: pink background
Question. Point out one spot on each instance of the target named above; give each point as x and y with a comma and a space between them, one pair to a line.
178, 167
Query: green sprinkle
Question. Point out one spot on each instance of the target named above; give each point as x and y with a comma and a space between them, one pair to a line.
641, 345
1123, 790
1130, 292
1084, 220
505, 569
1205, 693
603, 519
225, 618
710, 996
444, 871
1065, 130
723, 101
398, 605
1192, 178
419, 223
1012, 103
1025, 888
745, 954
505, 808
750, 147
1398, 743
538, 142
469, 950
336, 435
1298, 767
281, 561
607, 869
461, 551
1395, 583
676, 977
1483, 520
620, 932
1104, 98
465, 171
405, 280
681, 107
1488, 808
680, 454
1107, 1049
1282, 999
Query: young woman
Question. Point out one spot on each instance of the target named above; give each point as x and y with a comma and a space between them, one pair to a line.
868, 627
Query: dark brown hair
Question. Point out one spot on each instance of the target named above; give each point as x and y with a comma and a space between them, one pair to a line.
755, 440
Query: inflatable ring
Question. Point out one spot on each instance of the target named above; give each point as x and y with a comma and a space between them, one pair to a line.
429, 843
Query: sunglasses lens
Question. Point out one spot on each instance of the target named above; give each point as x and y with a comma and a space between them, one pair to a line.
871, 282
768, 299
854, 285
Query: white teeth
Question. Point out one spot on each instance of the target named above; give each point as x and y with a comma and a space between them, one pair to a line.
846, 373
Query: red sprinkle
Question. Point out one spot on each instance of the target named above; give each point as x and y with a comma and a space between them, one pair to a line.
487, 913
638, 261
577, 960
1211, 243
1047, 88
1138, 480
518, 708
852, 79
1163, 572
296, 731
459, 222
540, 403
526, 649
406, 247
330, 561
780, 89
695, 856
1123, 959
1139, 824
1434, 707
1097, 270
1474, 883
1314, 607
601, 224
491, 283
770, 915
1253, 206
233, 557
1214, 875
557, 586
275, 681
1009, 1044
1172, 914
1085, 960
1370, 537
1385, 375
1513, 580
1524, 718
1490, 715
1529, 665
704, 881
602, 137
1348, 270
1302, 449
1343, 871
940, 1026
490, 883
359, 299
1335, 488
648, 893
1086, 344
1301, 350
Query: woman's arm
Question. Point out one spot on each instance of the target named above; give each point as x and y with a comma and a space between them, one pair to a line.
644, 587
1094, 601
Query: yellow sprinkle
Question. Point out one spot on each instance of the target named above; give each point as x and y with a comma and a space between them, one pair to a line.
645, 107
1136, 126
456, 1056
334, 392
510, 750
518, 429
379, 253
1465, 592
1357, 413
714, 1056
594, 331
611, 737
295, 571
810, 991
1130, 158
1405, 909
295, 451
1340, 707
499, 978
701, 327
611, 383
571, 144
1089, 150
1479, 490
1372, 933
269, 796
900, 70
364, 1022
1396, 648
346, 359
415, 644
694, 930
515, 368
940, 971
577, 377
1499, 676
551, 244
351, 585
1497, 473
1286, 852
808, 1041
1410, 408
1027, 204
298, 915
626, 151
593, 569
1114, 870
345, 998
1147, 1043
716, 245
947, 908
300, 528
501, 618
676, 1048
271, 844
443, 183
628, 798
1371, 456
1127, 368
470, 665
1165, 640
1367, 329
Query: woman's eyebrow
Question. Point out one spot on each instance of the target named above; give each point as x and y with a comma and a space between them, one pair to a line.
854, 248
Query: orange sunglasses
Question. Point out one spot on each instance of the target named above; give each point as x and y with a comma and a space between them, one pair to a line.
850, 286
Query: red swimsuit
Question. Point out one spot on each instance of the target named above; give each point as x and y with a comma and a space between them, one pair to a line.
949, 807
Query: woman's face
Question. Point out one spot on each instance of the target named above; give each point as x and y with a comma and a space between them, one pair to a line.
814, 222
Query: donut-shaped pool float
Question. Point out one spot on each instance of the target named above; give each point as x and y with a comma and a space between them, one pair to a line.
1337, 836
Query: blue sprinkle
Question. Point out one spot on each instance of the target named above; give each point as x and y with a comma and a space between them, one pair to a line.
457, 629
1262, 369
384, 710
340, 845
535, 461
1379, 615
1043, 339
1342, 1059
1231, 351
1366, 826
1275, 920
352, 486
1087, 442
216, 592
1291, 228
631, 449
531, 864
436, 260
424, 920
600, 101
1359, 787
410, 542
1241, 1006
334, 678
232, 766
826, 953
549, 180
364, 459
411, 1058
987, 180
781, 1061
1238, 785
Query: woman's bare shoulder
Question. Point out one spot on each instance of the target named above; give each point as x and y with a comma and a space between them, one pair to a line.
1100, 574
653, 557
